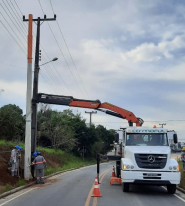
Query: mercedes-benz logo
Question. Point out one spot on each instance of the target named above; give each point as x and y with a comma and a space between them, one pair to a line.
151, 158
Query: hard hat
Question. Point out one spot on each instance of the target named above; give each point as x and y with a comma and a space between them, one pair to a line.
20, 148
17, 147
183, 148
38, 153
34, 154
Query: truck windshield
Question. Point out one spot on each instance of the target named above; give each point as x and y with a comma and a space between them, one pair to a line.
147, 139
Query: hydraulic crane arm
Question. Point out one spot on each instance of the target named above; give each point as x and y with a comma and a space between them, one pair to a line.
91, 104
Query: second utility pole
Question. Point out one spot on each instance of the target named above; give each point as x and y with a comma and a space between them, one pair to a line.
91, 115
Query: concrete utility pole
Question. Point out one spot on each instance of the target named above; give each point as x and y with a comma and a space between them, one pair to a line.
35, 84
27, 157
162, 124
91, 115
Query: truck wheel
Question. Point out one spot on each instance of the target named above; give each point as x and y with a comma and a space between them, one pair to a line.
171, 188
118, 168
125, 187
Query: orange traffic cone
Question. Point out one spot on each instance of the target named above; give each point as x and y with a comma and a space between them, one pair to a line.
96, 192
113, 172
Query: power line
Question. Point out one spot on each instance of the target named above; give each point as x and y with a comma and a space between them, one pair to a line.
15, 13
13, 20
12, 37
50, 75
61, 50
12, 65
43, 76
68, 50
11, 29
58, 75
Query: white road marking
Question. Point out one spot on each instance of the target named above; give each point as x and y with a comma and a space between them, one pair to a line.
179, 198
16, 197
173, 194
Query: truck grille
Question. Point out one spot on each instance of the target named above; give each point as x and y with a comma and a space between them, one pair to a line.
151, 161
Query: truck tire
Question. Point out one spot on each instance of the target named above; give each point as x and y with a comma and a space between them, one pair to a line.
171, 188
125, 187
118, 168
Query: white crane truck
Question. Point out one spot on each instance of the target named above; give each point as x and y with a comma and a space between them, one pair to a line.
146, 159
144, 155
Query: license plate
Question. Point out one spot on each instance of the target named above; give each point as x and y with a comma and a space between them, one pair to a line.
150, 175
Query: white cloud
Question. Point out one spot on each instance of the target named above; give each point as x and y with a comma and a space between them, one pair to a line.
121, 56
150, 52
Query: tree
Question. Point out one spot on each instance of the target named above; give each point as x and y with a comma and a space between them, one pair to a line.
56, 127
12, 123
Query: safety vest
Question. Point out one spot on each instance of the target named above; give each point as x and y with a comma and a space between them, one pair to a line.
14, 156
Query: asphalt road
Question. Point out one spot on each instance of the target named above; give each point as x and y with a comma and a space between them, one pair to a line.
74, 188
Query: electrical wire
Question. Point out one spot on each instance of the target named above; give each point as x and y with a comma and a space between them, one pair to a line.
12, 31
12, 37
58, 75
13, 20
16, 13
12, 65
61, 50
43, 77
51, 75
53, 79
68, 50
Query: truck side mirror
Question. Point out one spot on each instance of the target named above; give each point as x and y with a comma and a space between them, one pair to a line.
175, 138
117, 138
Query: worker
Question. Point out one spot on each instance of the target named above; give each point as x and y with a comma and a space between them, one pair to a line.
40, 163
183, 158
132, 140
14, 160
34, 155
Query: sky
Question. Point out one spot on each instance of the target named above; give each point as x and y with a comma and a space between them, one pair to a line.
129, 53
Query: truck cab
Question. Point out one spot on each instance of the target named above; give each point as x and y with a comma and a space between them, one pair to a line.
146, 159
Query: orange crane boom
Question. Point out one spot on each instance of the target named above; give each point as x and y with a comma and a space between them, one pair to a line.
91, 104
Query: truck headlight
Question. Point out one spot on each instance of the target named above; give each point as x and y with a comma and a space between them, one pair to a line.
174, 167
128, 166
170, 168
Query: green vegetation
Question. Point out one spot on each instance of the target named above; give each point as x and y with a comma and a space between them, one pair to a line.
21, 182
58, 130
182, 182
6, 188
57, 160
